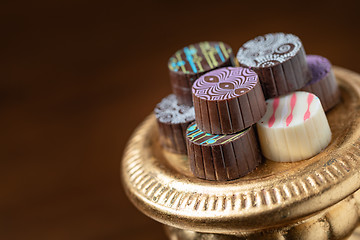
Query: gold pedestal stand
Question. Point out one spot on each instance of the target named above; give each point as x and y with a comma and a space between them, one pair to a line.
314, 199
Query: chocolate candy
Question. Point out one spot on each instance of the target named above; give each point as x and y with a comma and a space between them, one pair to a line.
294, 128
323, 83
228, 100
189, 63
222, 157
280, 61
173, 119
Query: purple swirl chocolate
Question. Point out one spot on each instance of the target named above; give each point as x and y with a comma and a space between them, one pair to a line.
222, 157
189, 63
173, 119
280, 61
323, 83
228, 100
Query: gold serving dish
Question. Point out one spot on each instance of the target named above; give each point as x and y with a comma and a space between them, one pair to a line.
312, 199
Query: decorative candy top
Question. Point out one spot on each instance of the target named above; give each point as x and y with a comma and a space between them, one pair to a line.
199, 57
225, 83
169, 111
195, 135
269, 50
319, 67
290, 110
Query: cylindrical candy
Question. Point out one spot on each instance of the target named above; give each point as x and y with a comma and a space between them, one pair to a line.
173, 119
222, 157
294, 128
228, 100
280, 61
323, 83
189, 63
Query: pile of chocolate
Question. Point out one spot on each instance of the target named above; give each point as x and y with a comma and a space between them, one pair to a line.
218, 99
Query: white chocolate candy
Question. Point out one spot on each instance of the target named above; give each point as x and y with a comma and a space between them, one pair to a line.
294, 128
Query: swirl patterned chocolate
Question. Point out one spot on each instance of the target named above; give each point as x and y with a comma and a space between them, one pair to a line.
280, 61
169, 111
225, 83
269, 50
228, 100
173, 119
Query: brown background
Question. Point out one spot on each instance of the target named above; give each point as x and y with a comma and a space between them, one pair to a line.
78, 76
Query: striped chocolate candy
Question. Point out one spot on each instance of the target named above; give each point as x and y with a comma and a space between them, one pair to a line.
228, 100
222, 157
294, 128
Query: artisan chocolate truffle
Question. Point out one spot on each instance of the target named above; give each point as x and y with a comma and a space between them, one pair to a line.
294, 128
280, 61
189, 63
323, 83
222, 157
228, 100
173, 119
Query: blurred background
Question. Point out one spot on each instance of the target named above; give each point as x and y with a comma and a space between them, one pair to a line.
78, 76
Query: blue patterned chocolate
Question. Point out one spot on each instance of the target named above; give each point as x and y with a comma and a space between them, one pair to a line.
222, 157
195, 135
194, 60
200, 57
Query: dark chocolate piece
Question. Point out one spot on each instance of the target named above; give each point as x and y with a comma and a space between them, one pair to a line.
228, 100
173, 119
280, 61
222, 157
323, 83
189, 63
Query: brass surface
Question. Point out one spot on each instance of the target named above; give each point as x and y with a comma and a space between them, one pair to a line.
277, 201
335, 222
